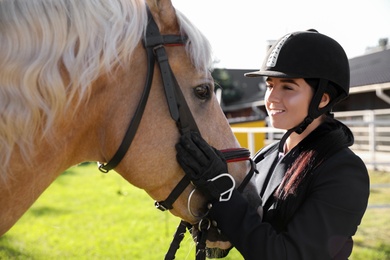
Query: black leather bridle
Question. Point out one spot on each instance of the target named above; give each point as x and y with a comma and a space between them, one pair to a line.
154, 44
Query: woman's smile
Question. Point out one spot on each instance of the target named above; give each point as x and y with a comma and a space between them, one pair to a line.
275, 112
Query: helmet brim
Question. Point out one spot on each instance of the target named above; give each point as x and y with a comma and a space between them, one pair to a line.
270, 73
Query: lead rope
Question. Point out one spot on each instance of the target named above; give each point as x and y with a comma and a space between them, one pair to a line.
203, 227
177, 238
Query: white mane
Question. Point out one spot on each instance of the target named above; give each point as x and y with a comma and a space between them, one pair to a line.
52, 52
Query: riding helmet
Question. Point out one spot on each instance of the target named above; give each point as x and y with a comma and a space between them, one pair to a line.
307, 54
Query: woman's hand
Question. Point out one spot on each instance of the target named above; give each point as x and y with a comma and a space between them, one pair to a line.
205, 166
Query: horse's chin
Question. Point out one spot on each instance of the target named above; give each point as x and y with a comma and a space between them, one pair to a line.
217, 252
223, 245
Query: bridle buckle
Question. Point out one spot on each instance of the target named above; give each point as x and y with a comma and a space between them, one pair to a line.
160, 206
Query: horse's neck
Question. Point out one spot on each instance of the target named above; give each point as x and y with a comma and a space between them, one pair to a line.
23, 186
91, 133
70, 141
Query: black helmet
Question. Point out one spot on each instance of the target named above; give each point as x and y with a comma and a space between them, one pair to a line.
309, 55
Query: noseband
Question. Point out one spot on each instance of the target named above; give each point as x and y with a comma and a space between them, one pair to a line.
154, 44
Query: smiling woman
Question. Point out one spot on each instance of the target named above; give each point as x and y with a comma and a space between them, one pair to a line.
314, 189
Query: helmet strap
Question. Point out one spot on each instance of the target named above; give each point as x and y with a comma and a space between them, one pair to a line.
313, 113
314, 110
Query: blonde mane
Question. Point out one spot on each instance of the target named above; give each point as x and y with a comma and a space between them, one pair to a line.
52, 52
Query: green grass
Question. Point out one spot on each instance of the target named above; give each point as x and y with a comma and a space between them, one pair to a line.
372, 240
88, 215
85, 214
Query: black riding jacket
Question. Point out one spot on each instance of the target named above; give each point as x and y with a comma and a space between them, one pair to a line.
319, 220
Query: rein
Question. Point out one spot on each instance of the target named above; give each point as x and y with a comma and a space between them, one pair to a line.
154, 44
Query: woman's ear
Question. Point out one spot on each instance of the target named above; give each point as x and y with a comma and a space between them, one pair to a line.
324, 100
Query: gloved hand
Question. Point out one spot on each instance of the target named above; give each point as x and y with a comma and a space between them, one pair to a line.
205, 166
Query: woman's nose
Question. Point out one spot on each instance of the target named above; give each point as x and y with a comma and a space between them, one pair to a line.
272, 95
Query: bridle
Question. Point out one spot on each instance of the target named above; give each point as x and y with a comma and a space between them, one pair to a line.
154, 44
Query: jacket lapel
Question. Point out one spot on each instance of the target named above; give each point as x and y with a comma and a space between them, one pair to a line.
272, 177
265, 168
275, 179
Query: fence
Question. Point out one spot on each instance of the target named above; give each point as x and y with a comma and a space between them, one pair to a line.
371, 129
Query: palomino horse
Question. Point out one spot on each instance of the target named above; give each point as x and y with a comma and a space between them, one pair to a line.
71, 76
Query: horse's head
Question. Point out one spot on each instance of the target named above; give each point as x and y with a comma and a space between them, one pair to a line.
150, 162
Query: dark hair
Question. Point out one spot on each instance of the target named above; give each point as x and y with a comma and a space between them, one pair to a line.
332, 138
296, 173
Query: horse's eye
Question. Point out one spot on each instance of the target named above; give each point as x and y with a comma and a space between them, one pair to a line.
203, 92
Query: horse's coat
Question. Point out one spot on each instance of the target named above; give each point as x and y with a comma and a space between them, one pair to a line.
71, 75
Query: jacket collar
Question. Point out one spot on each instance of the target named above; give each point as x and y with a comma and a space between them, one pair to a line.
275, 175
277, 168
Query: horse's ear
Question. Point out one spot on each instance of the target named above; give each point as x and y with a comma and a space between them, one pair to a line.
165, 15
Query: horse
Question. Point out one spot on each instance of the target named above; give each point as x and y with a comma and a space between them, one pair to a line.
72, 74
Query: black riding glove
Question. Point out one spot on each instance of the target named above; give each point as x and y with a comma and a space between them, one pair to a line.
205, 166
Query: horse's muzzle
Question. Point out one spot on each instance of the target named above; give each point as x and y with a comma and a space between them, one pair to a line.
217, 252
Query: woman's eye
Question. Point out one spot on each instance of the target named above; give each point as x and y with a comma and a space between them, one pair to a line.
203, 91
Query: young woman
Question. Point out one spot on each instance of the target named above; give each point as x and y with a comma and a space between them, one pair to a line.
314, 188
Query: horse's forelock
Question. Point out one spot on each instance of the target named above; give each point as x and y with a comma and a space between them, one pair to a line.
198, 46
39, 39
